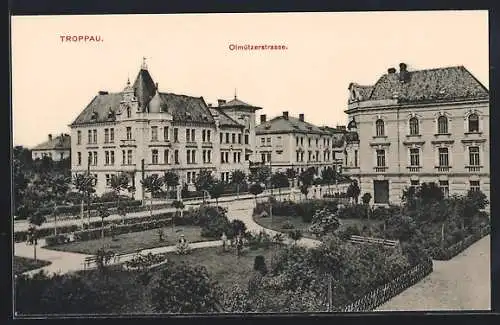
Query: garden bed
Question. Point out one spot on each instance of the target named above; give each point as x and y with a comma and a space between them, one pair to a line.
23, 264
447, 253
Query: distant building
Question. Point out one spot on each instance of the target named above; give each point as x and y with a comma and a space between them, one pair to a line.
289, 142
142, 131
412, 127
57, 148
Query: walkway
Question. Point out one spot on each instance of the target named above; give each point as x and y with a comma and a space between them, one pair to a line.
462, 283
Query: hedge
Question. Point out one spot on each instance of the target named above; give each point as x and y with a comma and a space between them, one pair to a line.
382, 294
447, 253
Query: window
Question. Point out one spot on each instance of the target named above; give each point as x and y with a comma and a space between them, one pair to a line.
188, 156
346, 158
414, 126
316, 142
227, 137
296, 141
379, 128
106, 157
298, 156
414, 184
474, 156
209, 156
176, 157
381, 158
443, 157
474, 186
129, 133
165, 133
221, 137
193, 135
188, 135
226, 158
239, 138
316, 157
95, 179
445, 188
204, 156
95, 135
263, 141
209, 136
106, 135
193, 156
414, 157
166, 156
95, 157
112, 157
203, 136
301, 140
233, 138
234, 157
247, 157
222, 157
268, 141
246, 138
79, 158
111, 135
79, 137
355, 158
239, 157
176, 135
154, 133
108, 179
310, 155
188, 177
302, 156
154, 157
89, 141
309, 141
129, 113
123, 157
442, 125
473, 123
129, 157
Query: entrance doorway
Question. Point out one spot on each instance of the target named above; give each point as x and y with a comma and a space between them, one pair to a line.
381, 192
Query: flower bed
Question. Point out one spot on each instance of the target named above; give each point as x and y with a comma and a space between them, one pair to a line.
447, 253
382, 294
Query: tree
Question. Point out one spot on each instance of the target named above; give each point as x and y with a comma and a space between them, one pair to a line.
260, 174
291, 174
353, 191
204, 180
183, 288
119, 183
216, 189
304, 189
85, 185
429, 193
307, 176
366, 198
238, 178
328, 175
256, 189
103, 212
122, 211
171, 179
152, 184
36, 220
279, 180
324, 222
259, 264
178, 205
295, 235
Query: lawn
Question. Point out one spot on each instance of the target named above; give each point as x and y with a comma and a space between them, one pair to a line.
276, 223
131, 242
227, 268
23, 264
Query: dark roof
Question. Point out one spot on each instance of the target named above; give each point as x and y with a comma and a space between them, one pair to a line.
223, 118
187, 108
60, 142
99, 107
441, 84
331, 130
144, 88
290, 125
238, 103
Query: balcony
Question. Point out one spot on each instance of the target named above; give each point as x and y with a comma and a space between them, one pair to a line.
443, 169
473, 168
414, 169
206, 144
380, 169
191, 144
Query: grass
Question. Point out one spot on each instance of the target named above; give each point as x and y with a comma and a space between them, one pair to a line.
23, 264
225, 267
131, 242
277, 222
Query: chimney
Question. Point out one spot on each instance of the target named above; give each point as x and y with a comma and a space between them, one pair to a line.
103, 92
285, 115
402, 67
391, 70
263, 118
209, 105
50, 137
221, 101
156, 85
403, 73
301, 117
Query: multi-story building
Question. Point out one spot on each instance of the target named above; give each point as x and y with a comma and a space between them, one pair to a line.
420, 126
288, 142
143, 131
57, 148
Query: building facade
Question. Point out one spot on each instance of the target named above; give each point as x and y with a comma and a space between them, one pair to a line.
142, 131
289, 142
420, 126
57, 148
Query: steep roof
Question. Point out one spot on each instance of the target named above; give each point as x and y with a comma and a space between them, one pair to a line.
223, 118
235, 102
144, 88
99, 107
431, 85
60, 142
280, 124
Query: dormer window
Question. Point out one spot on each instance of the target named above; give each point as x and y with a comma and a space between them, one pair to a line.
111, 114
129, 113
93, 116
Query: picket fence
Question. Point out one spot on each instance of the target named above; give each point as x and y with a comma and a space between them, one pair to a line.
454, 250
382, 294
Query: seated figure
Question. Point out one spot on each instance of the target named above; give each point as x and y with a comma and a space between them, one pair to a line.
182, 246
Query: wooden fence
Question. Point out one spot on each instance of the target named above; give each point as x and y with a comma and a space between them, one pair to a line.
452, 251
382, 294
374, 241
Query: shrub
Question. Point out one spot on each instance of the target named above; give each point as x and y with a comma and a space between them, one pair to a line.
216, 225
259, 264
287, 225
260, 208
56, 239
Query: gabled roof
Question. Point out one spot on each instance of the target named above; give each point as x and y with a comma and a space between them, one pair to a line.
61, 142
431, 85
187, 108
238, 103
99, 107
289, 125
223, 118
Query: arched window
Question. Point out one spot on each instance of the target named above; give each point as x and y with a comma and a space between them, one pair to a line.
379, 127
473, 123
128, 112
413, 126
442, 125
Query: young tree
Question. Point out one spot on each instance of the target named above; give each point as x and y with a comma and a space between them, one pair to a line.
36, 219
179, 206
260, 174
152, 184
216, 190
366, 198
238, 178
204, 180
122, 211
119, 183
353, 191
171, 179
85, 185
295, 235
328, 176
279, 180
256, 189
103, 213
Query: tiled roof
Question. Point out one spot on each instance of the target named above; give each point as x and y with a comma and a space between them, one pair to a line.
144, 88
100, 106
290, 125
442, 84
187, 108
236, 102
59, 142
223, 118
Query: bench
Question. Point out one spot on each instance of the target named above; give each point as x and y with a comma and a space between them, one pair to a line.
88, 261
371, 240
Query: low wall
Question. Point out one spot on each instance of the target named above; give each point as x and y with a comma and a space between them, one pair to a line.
452, 251
382, 294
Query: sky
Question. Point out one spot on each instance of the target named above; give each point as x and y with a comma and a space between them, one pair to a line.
53, 80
